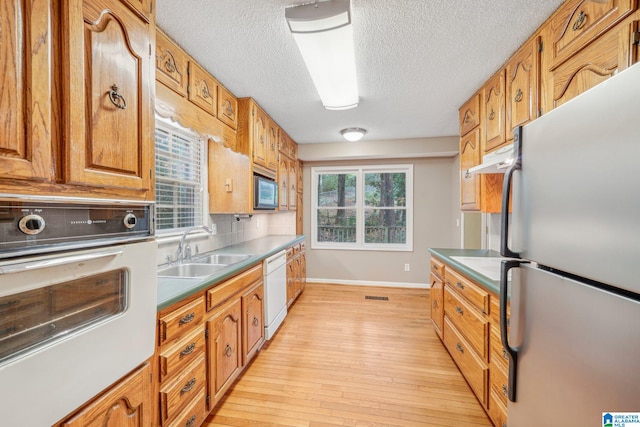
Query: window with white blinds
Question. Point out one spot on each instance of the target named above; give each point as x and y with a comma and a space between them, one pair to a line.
179, 190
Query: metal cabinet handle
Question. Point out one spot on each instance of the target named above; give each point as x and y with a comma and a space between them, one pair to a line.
467, 118
459, 310
228, 351
188, 350
117, 99
9, 304
188, 318
188, 386
191, 422
580, 21
255, 321
505, 390
505, 355
492, 114
206, 94
435, 304
460, 285
459, 348
227, 108
519, 96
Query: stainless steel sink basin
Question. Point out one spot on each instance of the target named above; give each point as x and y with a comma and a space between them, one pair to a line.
191, 270
223, 258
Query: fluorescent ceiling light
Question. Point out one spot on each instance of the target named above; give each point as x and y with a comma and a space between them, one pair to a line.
353, 134
324, 35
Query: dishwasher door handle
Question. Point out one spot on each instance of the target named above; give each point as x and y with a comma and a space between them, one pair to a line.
55, 261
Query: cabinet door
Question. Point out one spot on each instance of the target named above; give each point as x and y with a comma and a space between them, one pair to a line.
293, 181
126, 405
494, 112
283, 177
610, 53
252, 322
469, 184
259, 137
109, 85
291, 281
300, 177
522, 86
437, 304
469, 114
272, 145
225, 349
202, 88
303, 270
171, 64
299, 216
26, 130
227, 107
230, 186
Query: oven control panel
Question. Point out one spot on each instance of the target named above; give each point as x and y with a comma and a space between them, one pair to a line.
39, 227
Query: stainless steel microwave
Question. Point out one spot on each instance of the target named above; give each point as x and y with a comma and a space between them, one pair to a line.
265, 193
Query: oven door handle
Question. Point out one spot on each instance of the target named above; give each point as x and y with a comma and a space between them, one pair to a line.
52, 262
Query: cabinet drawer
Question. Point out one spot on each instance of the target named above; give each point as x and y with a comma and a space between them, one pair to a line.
176, 394
173, 359
499, 384
578, 22
498, 354
474, 370
497, 411
437, 268
194, 414
495, 312
474, 294
202, 88
469, 114
472, 325
437, 307
180, 322
222, 292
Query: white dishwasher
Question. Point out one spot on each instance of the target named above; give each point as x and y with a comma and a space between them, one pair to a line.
275, 293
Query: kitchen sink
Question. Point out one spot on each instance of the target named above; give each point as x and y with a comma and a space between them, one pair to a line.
223, 258
191, 270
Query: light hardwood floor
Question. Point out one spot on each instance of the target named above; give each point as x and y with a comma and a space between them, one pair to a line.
342, 360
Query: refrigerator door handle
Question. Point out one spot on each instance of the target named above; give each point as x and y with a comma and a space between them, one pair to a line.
504, 335
506, 194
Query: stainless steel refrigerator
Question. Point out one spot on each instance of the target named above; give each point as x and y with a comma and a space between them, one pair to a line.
574, 327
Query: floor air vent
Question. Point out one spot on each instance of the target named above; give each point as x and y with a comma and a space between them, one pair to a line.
376, 298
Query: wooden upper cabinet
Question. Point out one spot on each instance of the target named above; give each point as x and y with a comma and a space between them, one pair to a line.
494, 111
300, 177
293, 184
469, 114
227, 107
171, 64
26, 94
108, 86
578, 22
260, 139
202, 88
273, 131
522, 86
612, 52
283, 142
283, 183
143, 7
469, 184
230, 182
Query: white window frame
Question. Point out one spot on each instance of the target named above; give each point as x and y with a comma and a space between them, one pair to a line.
176, 128
360, 171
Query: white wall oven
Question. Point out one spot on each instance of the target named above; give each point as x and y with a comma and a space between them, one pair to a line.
77, 302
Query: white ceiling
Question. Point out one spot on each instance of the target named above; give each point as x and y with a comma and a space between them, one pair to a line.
417, 60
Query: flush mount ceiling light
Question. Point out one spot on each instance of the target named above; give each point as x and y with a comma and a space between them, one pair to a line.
324, 35
353, 134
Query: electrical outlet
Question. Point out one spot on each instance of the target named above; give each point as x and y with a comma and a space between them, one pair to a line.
214, 229
407, 267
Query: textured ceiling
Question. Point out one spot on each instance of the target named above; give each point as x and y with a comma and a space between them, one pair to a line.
417, 60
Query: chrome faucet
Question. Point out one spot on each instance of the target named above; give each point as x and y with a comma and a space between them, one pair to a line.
180, 255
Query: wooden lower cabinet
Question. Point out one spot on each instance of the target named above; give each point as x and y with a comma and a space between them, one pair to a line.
177, 394
296, 272
437, 304
225, 349
252, 322
127, 404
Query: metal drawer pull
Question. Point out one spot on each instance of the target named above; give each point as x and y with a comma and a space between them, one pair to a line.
34, 265
505, 390
460, 285
505, 355
188, 318
435, 304
459, 348
256, 322
518, 97
188, 350
9, 304
188, 386
117, 99
191, 421
492, 114
459, 310
228, 351
580, 21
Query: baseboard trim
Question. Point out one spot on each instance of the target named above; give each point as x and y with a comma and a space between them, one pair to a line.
370, 283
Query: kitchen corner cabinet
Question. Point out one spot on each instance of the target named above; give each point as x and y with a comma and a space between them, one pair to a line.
108, 86
230, 185
234, 336
93, 85
127, 404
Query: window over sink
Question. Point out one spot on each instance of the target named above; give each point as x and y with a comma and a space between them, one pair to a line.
362, 207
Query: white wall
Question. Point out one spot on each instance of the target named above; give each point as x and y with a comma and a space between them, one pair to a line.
436, 206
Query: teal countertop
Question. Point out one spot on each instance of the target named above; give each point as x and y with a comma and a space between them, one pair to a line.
172, 290
445, 256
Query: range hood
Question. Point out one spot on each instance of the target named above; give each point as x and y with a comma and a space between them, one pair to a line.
495, 162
